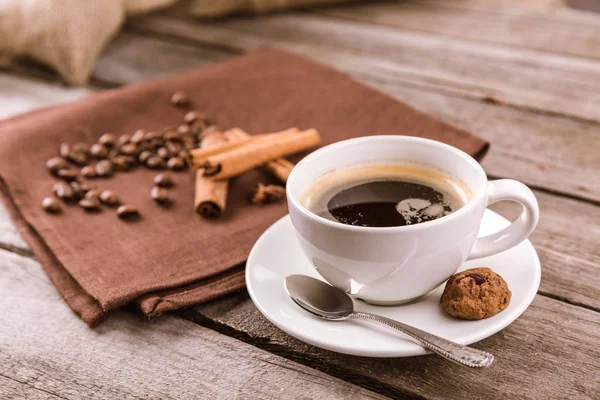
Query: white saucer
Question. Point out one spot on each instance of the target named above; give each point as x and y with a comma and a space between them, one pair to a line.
277, 254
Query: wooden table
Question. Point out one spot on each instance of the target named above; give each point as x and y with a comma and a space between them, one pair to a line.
527, 78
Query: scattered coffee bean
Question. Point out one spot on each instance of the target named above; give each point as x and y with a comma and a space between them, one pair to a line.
184, 154
90, 204
79, 189
123, 139
163, 180
63, 191
121, 163
98, 150
108, 139
176, 163
109, 198
172, 135
144, 155
89, 171
56, 163
93, 194
155, 162
77, 157
180, 99
129, 149
81, 147
184, 129
162, 152
160, 195
155, 143
113, 153
138, 136
127, 211
65, 150
68, 174
153, 135
191, 117
190, 145
173, 147
51, 204
104, 169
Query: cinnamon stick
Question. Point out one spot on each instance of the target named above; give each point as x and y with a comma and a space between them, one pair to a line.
280, 167
210, 196
255, 153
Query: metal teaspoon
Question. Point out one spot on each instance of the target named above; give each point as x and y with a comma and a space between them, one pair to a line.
328, 302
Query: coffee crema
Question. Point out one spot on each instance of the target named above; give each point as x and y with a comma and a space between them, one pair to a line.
385, 195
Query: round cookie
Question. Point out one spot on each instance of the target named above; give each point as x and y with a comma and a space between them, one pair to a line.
476, 293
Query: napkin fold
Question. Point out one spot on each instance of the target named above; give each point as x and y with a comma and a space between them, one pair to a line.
172, 258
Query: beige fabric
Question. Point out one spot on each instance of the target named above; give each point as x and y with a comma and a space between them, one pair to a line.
67, 35
219, 8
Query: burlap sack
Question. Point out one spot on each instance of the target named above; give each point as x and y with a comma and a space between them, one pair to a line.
219, 8
67, 35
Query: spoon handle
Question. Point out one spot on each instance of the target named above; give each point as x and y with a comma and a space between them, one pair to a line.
458, 353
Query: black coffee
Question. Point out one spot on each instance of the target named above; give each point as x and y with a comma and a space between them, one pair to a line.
362, 199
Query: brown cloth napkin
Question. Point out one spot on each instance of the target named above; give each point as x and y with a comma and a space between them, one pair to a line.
172, 258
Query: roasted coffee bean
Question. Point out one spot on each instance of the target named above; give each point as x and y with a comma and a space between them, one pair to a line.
65, 150
176, 163
162, 152
123, 163
184, 129
190, 145
191, 117
129, 149
51, 204
104, 169
163, 180
79, 189
156, 143
108, 139
109, 198
68, 174
56, 163
173, 148
98, 150
127, 211
123, 139
180, 99
89, 171
113, 153
171, 135
138, 136
63, 191
160, 195
93, 194
81, 147
153, 135
155, 162
77, 157
144, 155
184, 154
90, 204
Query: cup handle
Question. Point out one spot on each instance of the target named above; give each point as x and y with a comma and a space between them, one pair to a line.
519, 230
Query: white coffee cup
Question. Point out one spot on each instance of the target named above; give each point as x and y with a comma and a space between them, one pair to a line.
394, 265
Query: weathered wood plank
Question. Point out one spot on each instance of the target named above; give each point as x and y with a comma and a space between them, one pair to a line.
11, 389
522, 77
43, 345
549, 352
565, 142
559, 29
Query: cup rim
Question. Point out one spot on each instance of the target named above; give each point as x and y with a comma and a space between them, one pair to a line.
389, 229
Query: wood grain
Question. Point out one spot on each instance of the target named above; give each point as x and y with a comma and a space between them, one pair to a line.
557, 30
516, 134
45, 347
552, 342
11, 389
